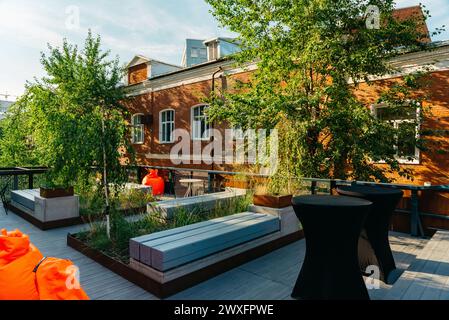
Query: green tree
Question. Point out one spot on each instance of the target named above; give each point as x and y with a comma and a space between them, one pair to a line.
312, 56
72, 120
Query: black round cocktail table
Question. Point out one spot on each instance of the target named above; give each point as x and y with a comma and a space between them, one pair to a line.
332, 227
374, 248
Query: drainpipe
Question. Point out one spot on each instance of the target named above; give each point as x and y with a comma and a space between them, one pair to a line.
151, 129
220, 69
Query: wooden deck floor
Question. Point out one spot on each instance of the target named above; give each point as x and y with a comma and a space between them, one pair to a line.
270, 277
427, 278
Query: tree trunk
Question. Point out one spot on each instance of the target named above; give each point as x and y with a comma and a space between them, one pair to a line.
105, 175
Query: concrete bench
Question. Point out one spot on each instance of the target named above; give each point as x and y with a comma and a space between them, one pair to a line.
45, 210
169, 249
167, 209
427, 278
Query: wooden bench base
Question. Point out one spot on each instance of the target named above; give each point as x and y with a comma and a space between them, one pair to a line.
166, 289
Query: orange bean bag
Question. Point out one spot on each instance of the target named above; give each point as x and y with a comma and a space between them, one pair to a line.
156, 183
26, 275
18, 258
57, 279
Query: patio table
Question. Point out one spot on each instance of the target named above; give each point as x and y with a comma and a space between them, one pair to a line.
374, 246
190, 186
332, 227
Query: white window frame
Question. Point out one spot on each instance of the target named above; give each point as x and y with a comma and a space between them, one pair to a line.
396, 123
137, 126
166, 123
193, 122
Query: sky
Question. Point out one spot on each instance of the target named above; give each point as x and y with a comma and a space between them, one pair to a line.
154, 28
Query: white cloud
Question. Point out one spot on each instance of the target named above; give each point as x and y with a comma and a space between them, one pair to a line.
155, 28
28, 24
146, 28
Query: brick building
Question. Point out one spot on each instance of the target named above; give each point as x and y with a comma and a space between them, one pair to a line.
173, 99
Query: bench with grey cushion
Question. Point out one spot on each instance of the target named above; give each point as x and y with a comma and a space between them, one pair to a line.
45, 210
167, 209
169, 249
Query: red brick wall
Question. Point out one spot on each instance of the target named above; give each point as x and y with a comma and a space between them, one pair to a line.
433, 168
181, 99
138, 74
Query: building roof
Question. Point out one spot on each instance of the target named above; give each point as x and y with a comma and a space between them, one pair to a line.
139, 59
227, 39
406, 13
401, 13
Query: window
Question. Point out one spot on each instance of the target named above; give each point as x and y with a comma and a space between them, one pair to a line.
166, 126
137, 129
194, 53
200, 123
198, 52
406, 120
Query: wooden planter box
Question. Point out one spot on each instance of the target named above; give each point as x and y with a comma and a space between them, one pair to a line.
50, 193
278, 202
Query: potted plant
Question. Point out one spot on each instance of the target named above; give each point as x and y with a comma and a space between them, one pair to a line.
240, 181
265, 197
54, 188
277, 192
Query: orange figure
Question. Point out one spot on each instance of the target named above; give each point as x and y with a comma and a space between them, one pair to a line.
156, 183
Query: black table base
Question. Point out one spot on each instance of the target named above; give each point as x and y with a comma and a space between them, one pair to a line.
367, 256
331, 268
376, 229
